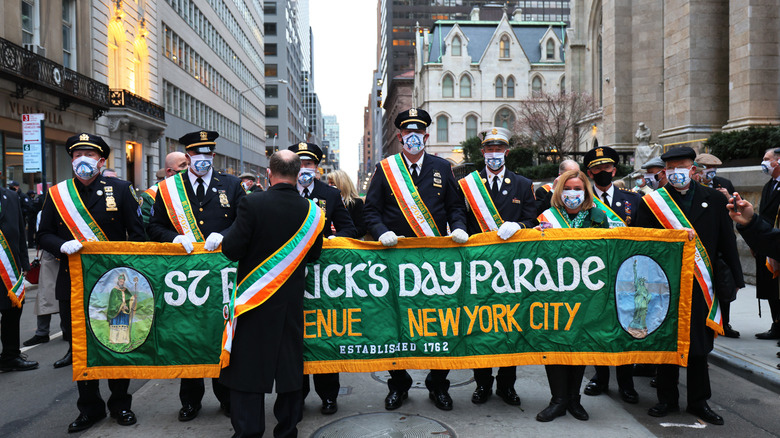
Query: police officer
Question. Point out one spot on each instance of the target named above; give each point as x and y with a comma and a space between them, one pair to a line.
213, 199
175, 162
513, 198
336, 218
112, 206
601, 162
438, 190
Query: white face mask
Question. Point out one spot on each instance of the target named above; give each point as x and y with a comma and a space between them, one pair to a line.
201, 164
495, 160
306, 176
766, 167
651, 180
709, 174
679, 177
85, 167
414, 143
573, 198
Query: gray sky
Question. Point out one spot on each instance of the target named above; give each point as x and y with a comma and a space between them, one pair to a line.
344, 59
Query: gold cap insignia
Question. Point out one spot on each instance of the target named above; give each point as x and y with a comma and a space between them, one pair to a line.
303, 146
204, 135
599, 152
413, 112
495, 131
84, 137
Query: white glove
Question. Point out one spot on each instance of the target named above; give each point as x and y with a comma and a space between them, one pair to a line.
459, 236
213, 242
185, 242
71, 247
508, 229
332, 236
388, 238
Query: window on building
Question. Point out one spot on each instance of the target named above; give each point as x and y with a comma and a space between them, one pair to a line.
536, 86
499, 87
503, 47
465, 86
505, 118
269, 28
456, 46
442, 129
116, 42
68, 35
510, 87
550, 49
271, 70
563, 84
447, 87
271, 91
471, 126
270, 50
28, 21
272, 111
269, 8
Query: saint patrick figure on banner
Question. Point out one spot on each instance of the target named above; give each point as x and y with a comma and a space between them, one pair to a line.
121, 306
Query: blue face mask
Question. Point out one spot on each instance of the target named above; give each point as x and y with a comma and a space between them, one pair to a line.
85, 167
494, 160
201, 164
679, 177
573, 198
414, 143
710, 174
305, 177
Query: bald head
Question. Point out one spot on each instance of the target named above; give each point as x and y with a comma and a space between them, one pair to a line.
283, 167
567, 165
175, 162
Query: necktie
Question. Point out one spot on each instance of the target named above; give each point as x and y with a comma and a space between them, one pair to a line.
605, 197
494, 186
306, 192
414, 170
200, 192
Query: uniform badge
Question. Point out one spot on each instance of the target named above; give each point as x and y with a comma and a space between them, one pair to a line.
704, 205
99, 193
628, 208
223, 199
618, 204
413, 112
504, 192
484, 180
507, 181
110, 200
599, 152
436, 179
84, 137
516, 201
303, 146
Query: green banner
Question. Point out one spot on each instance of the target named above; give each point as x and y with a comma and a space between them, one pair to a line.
600, 297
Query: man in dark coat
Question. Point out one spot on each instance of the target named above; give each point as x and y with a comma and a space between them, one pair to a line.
213, 197
12, 226
513, 198
114, 207
336, 217
433, 179
769, 209
705, 209
601, 163
267, 346
544, 193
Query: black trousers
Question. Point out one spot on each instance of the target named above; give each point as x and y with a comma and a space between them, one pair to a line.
9, 332
325, 385
191, 391
65, 319
504, 379
248, 413
401, 381
624, 374
564, 381
699, 390
91, 403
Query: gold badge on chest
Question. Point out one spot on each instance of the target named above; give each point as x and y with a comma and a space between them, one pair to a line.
436, 179
223, 199
110, 200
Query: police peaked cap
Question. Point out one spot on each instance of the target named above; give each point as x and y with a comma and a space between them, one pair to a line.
413, 118
679, 153
86, 141
202, 142
307, 151
601, 155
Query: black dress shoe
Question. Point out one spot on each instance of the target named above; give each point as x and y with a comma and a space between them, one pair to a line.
395, 399
35, 340
481, 394
84, 422
772, 333
509, 396
706, 414
778, 354
19, 363
65, 361
441, 398
629, 396
595, 388
576, 410
556, 408
662, 409
730, 332
188, 412
124, 418
329, 406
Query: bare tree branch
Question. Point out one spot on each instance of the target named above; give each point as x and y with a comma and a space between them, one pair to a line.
551, 119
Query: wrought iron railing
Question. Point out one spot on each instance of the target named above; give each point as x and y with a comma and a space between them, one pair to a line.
126, 99
32, 71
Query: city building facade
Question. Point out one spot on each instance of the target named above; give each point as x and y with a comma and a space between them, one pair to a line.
331, 142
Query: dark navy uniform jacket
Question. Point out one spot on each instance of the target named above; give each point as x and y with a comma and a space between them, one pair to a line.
12, 224
625, 204
515, 201
438, 189
329, 199
120, 225
212, 215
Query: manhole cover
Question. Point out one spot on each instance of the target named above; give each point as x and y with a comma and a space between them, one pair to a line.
384, 425
456, 377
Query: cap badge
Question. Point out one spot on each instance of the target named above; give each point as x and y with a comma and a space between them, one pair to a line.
599, 152
413, 112
204, 135
84, 137
303, 146
494, 131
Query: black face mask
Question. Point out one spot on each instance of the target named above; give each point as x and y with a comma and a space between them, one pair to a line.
603, 178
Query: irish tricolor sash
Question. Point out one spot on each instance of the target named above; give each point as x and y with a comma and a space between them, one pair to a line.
480, 202
74, 213
547, 187
10, 273
614, 220
152, 191
553, 216
270, 275
409, 200
178, 206
671, 217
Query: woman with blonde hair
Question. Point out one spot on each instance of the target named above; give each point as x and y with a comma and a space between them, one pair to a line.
570, 207
340, 180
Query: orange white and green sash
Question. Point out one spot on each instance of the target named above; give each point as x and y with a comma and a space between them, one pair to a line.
554, 217
152, 191
267, 277
178, 206
74, 213
671, 217
10, 273
480, 202
409, 201
613, 219
547, 187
